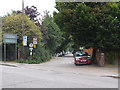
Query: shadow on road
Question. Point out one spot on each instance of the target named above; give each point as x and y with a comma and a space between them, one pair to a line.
8, 65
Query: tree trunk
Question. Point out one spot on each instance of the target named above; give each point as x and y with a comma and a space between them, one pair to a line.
94, 56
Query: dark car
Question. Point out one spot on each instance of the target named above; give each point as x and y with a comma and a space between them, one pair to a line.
82, 58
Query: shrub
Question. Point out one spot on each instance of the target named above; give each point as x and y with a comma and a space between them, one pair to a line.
32, 62
20, 60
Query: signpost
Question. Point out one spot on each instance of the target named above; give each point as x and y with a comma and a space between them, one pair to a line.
31, 48
31, 45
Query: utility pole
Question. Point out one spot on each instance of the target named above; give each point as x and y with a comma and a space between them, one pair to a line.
23, 27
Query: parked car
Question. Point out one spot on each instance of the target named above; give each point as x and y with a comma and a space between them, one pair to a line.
82, 58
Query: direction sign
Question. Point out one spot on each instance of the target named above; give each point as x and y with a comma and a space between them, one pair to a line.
9, 38
31, 45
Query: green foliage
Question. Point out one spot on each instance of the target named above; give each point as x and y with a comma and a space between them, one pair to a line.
28, 61
13, 24
76, 22
54, 34
21, 61
32, 62
41, 54
48, 32
108, 27
95, 24
90, 24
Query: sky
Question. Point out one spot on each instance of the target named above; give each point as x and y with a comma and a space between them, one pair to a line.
6, 6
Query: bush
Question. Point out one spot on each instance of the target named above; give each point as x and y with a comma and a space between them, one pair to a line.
40, 54
21, 60
32, 62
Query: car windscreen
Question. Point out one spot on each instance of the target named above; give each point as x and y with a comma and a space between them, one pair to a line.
81, 54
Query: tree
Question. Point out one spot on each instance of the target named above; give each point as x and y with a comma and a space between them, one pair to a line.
13, 24
54, 34
51, 33
31, 12
62, 19
76, 22
90, 24
95, 25
107, 35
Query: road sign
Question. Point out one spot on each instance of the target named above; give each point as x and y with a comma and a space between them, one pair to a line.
30, 49
31, 45
24, 40
34, 40
9, 38
34, 46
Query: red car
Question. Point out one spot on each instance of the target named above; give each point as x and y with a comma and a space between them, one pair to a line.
82, 58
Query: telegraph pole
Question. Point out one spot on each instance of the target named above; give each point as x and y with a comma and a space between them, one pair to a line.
23, 27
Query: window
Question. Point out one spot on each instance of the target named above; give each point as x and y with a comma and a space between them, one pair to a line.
81, 54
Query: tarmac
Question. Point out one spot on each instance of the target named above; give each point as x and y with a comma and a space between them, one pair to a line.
65, 64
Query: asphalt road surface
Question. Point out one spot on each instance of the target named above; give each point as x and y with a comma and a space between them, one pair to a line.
60, 72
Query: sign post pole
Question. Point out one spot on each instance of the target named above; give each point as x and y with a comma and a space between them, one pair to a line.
31, 48
30, 54
5, 52
23, 26
15, 51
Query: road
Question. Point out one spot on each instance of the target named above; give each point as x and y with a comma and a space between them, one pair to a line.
60, 72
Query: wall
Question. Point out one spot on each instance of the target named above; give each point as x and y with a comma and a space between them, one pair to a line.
89, 51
